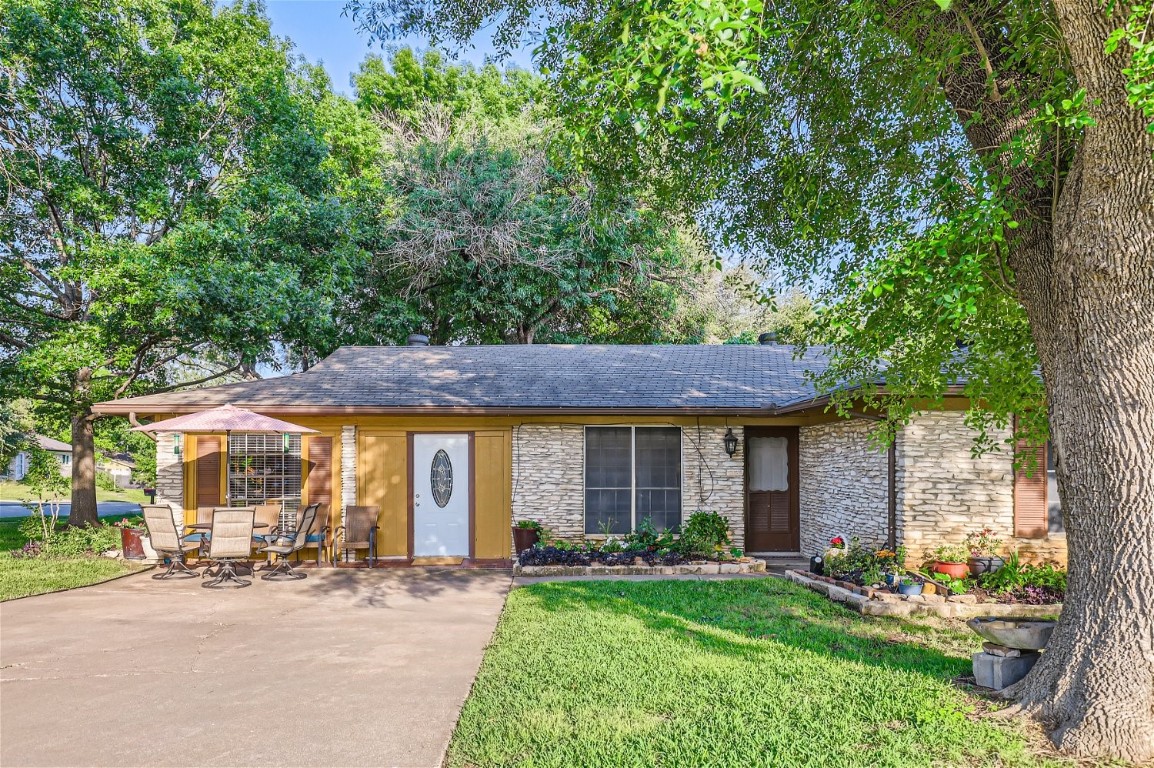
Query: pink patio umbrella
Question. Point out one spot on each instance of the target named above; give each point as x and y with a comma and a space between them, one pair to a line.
227, 419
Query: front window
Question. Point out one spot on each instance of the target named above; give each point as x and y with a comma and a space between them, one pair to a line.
264, 469
1053, 502
632, 473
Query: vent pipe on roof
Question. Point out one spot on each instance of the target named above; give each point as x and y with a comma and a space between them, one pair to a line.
418, 340
767, 338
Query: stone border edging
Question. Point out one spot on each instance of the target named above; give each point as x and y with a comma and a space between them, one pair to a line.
873, 602
753, 566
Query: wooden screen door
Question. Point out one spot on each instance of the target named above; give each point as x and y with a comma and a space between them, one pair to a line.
771, 480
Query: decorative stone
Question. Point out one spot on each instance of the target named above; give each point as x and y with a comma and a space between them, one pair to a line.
999, 672
934, 598
971, 599
1000, 650
914, 598
886, 597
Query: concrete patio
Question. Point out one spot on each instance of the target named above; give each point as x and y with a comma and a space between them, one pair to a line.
344, 668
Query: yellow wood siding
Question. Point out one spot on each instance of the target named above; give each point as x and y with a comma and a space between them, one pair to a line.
383, 481
492, 515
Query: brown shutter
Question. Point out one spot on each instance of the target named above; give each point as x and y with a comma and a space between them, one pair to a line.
320, 470
208, 471
1030, 510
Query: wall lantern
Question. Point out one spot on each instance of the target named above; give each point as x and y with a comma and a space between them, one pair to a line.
286, 440
730, 441
176, 443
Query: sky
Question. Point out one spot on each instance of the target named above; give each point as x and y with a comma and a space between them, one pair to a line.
320, 33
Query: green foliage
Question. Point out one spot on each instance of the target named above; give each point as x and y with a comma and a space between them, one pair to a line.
646, 537
704, 534
168, 199
1016, 577
490, 240
105, 481
44, 477
949, 553
530, 524
14, 429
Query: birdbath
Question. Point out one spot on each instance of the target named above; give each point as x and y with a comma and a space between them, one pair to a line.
1011, 649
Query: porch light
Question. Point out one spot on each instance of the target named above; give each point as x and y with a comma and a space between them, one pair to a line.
286, 442
730, 441
176, 443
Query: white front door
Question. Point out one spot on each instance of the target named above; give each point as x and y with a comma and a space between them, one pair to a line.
441, 495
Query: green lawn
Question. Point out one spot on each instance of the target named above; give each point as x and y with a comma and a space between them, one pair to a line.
12, 491
723, 673
23, 577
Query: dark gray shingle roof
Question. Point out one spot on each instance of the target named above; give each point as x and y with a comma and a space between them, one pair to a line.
571, 377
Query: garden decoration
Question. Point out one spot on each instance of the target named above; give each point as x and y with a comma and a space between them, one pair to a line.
1012, 648
983, 552
950, 559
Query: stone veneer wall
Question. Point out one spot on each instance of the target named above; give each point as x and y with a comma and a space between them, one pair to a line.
843, 485
549, 479
944, 492
347, 493
170, 477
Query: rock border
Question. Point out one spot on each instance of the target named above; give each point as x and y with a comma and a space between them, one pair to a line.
874, 602
701, 569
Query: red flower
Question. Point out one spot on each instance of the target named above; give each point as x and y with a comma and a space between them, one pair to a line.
837, 541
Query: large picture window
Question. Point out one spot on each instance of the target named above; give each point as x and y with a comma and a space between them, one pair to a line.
632, 473
264, 469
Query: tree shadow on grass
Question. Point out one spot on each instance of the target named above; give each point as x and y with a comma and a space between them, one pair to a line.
740, 619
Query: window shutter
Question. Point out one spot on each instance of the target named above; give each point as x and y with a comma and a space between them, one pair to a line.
207, 471
320, 470
1030, 511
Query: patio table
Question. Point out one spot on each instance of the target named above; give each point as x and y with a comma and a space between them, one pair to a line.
208, 527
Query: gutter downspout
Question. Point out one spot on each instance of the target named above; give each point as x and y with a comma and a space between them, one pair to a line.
891, 481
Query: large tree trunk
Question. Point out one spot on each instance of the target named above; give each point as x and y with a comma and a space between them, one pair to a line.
83, 509
1090, 300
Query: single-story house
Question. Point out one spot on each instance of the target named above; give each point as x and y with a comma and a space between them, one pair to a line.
19, 465
118, 466
454, 444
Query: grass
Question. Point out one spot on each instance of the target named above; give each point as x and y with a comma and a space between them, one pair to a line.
21, 577
35, 576
13, 491
723, 673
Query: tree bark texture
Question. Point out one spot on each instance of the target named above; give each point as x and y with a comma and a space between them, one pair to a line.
1089, 294
83, 510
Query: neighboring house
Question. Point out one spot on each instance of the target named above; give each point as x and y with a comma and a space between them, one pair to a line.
61, 451
455, 443
119, 467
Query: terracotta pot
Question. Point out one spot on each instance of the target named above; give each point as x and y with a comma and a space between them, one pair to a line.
130, 543
524, 538
953, 570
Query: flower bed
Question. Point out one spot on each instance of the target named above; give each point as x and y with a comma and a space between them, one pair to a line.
882, 571
883, 602
641, 568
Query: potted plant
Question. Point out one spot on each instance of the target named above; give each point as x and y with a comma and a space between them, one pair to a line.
983, 548
526, 534
909, 586
132, 533
950, 559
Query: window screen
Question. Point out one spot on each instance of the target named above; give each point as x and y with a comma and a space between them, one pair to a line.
632, 473
262, 471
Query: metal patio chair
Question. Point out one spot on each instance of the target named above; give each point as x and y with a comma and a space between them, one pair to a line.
230, 544
359, 531
288, 544
166, 540
320, 532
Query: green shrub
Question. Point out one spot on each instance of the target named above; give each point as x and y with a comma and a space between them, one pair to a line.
105, 482
77, 542
703, 535
647, 538
1015, 576
949, 553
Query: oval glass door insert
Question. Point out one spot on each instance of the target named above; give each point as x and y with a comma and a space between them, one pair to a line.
441, 478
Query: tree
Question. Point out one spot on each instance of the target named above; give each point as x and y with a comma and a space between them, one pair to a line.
14, 429
167, 200
488, 240
967, 175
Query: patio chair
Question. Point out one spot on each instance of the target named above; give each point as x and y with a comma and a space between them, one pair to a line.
284, 546
359, 531
230, 544
319, 533
166, 540
269, 514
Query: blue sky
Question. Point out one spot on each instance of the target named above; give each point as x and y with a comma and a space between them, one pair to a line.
321, 33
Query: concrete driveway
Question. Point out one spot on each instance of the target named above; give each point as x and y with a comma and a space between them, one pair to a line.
344, 668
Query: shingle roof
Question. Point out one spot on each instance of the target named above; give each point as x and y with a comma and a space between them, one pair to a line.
52, 444
545, 377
